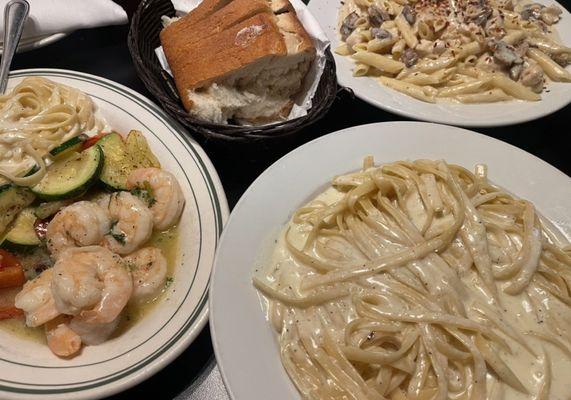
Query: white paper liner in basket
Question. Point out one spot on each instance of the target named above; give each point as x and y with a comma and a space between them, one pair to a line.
303, 100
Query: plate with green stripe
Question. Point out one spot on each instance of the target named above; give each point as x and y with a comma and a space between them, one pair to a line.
29, 369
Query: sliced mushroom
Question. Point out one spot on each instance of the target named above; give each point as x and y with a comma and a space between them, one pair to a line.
506, 54
409, 57
522, 49
381, 34
515, 71
409, 14
532, 77
563, 59
550, 15
377, 16
349, 25
531, 11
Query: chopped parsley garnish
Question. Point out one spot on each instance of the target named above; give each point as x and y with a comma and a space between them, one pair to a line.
169, 281
145, 193
118, 236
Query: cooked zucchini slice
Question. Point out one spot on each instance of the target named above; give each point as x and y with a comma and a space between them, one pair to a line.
140, 151
124, 156
46, 210
13, 199
22, 235
117, 164
72, 145
71, 175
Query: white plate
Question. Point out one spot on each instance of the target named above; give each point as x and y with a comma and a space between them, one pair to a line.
29, 369
495, 114
31, 43
245, 345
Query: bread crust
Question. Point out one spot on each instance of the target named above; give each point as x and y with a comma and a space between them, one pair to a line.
288, 22
251, 41
177, 37
280, 6
204, 9
234, 42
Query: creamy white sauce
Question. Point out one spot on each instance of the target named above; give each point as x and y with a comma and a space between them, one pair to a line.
282, 267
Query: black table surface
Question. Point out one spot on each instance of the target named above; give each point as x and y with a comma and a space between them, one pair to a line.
104, 52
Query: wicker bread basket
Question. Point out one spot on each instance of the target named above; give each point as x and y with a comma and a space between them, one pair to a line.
144, 38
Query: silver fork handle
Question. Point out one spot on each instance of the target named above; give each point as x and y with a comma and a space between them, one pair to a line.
15, 14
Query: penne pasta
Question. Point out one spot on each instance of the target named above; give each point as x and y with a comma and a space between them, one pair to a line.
424, 93
469, 49
428, 65
495, 53
488, 96
514, 89
382, 63
380, 46
398, 49
360, 69
425, 31
406, 31
343, 50
514, 37
553, 70
475, 86
436, 78
548, 46
363, 3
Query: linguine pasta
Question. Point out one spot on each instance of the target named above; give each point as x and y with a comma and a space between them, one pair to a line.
421, 280
35, 117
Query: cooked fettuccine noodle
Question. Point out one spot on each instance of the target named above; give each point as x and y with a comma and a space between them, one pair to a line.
421, 280
35, 117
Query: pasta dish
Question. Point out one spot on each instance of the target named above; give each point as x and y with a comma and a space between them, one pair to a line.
421, 280
467, 51
35, 117
89, 234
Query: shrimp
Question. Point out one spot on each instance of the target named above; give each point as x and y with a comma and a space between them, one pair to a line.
149, 270
162, 192
91, 283
93, 333
131, 223
36, 300
62, 340
80, 224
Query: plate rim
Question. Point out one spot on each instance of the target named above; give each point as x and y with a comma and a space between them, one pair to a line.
189, 330
216, 342
347, 84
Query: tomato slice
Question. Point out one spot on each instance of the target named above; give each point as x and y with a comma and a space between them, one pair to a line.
11, 271
8, 260
92, 140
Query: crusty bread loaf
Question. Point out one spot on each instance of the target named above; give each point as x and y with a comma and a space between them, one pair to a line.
241, 61
296, 38
206, 8
178, 36
219, 55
